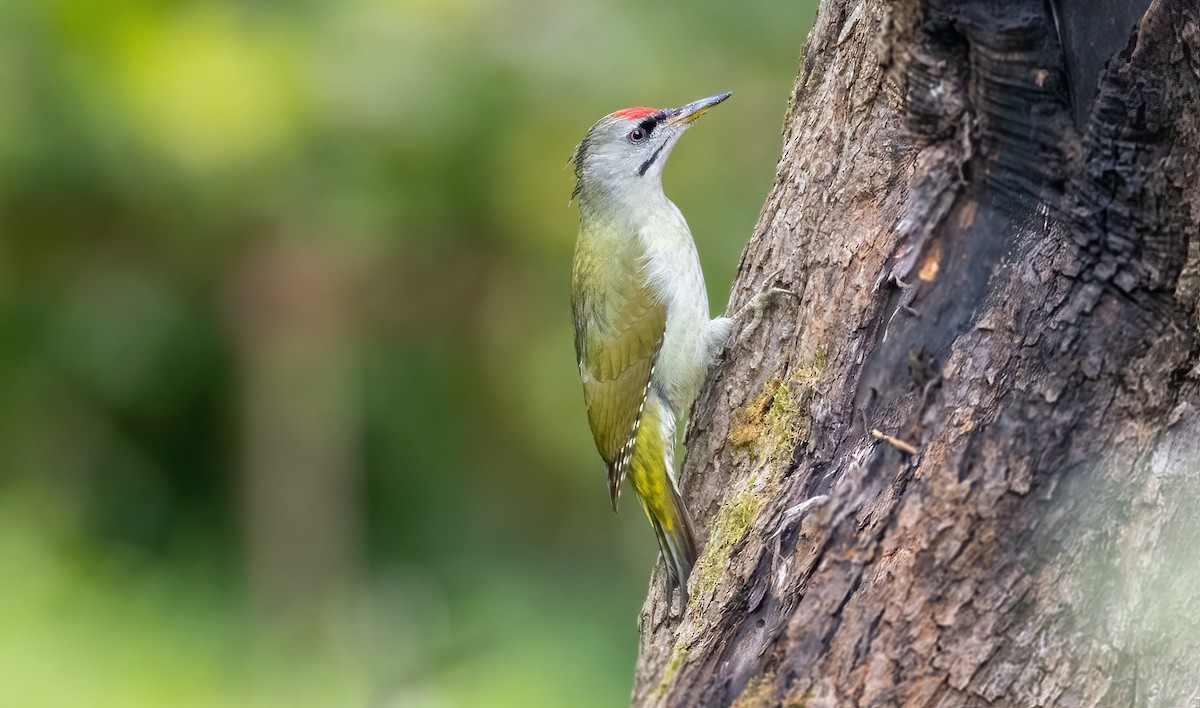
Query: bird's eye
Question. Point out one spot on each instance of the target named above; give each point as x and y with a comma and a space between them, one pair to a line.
637, 135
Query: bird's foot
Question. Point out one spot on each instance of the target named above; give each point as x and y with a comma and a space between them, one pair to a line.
758, 304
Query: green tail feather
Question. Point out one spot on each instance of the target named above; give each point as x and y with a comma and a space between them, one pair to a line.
650, 470
678, 545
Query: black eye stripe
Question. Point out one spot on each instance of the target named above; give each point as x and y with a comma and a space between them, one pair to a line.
651, 122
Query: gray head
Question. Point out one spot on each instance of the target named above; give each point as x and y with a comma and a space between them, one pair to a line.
624, 152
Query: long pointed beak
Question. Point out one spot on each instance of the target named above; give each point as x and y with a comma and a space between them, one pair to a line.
689, 113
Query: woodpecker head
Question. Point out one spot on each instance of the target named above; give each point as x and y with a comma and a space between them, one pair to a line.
623, 153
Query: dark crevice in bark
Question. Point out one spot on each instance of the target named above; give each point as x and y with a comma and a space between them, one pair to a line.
1091, 31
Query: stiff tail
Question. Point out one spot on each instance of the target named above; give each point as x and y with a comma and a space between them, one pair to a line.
652, 472
678, 545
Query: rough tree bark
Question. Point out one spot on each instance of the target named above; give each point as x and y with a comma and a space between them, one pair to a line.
989, 210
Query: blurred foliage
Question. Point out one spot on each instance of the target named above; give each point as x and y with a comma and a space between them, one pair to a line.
288, 407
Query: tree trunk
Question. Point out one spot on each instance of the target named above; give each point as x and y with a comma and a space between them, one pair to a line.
963, 467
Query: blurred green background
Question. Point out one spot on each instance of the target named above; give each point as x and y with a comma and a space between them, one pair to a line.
288, 408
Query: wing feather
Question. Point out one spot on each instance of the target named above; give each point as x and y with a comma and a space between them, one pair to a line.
619, 325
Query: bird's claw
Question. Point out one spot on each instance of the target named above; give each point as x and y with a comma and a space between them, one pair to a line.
758, 305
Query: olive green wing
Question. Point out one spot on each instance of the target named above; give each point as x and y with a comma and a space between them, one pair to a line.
619, 325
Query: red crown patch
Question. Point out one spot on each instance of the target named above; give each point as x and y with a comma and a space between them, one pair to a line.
635, 113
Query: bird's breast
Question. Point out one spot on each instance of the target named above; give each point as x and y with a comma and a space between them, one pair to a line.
673, 268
